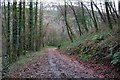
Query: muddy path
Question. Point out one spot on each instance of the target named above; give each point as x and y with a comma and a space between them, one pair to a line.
53, 64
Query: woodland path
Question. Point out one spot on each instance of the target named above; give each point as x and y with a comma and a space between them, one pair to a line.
53, 64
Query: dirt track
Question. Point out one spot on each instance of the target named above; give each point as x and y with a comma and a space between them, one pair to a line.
53, 64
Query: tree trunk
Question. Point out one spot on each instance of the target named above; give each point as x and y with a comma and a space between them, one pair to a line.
108, 15
93, 14
30, 38
67, 25
84, 19
119, 8
15, 31
24, 31
74, 12
19, 29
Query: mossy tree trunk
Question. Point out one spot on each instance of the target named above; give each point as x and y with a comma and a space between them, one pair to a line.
24, 29
15, 32
30, 38
40, 34
8, 33
36, 21
20, 29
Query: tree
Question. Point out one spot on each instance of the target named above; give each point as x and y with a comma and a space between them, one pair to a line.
36, 20
69, 31
100, 13
108, 15
111, 9
84, 19
40, 31
5, 56
15, 32
8, 32
93, 14
77, 21
119, 7
24, 31
20, 29
112, 6
30, 38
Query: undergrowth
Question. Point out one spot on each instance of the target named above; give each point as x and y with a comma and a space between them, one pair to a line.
95, 47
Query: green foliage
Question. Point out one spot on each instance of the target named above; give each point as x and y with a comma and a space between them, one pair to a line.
116, 59
83, 57
110, 55
98, 37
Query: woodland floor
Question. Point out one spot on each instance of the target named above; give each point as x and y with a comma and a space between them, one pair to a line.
53, 64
